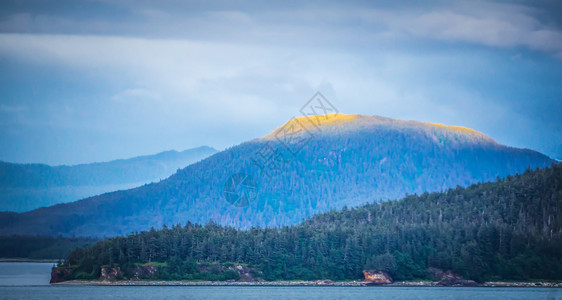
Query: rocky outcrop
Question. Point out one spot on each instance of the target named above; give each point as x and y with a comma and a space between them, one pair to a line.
449, 278
325, 282
245, 273
439, 275
377, 277
457, 282
111, 273
60, 274
144, 272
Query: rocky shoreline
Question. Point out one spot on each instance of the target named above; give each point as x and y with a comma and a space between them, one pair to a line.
301, 283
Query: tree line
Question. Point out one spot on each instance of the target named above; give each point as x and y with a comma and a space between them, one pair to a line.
505, 230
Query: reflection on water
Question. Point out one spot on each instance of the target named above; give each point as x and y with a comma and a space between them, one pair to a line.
24, 273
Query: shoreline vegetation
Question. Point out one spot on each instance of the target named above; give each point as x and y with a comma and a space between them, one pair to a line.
297, 283
508, 230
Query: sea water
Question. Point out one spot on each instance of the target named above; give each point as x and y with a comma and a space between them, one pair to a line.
31, 281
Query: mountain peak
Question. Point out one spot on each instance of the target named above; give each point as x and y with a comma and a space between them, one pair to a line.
455, 128
306, 123
346, 160
340, 122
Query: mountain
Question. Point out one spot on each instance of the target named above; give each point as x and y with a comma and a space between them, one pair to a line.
305, 167
25, 187
40, 247
505, 230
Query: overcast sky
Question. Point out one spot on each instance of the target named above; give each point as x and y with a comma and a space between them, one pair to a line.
84, 81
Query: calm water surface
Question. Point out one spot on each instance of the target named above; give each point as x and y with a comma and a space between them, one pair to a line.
31, 281
17, 274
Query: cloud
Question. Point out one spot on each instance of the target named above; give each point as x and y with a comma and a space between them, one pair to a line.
492, 24
512, 30
154, 76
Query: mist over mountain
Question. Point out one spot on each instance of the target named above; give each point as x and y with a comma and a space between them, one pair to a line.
305, 167
25, 187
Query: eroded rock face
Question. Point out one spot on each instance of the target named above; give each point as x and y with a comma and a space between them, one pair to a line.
439, 275
377, 277
244, 272
60, 274
108, 273
144, 272
449, 278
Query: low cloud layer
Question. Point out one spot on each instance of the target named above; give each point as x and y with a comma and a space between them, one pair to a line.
129, 79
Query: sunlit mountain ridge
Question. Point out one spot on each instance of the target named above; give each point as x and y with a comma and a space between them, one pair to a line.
331, 123
297, 171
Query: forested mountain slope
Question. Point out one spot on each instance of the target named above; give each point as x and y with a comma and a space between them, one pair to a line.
505, 230
25, 187
299, 170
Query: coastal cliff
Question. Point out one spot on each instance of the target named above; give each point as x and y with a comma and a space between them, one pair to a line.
60, 275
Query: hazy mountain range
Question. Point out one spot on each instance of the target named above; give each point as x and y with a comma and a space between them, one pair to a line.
305, 167
25, 187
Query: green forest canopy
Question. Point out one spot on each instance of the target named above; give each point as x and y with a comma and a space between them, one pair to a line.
504, 230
